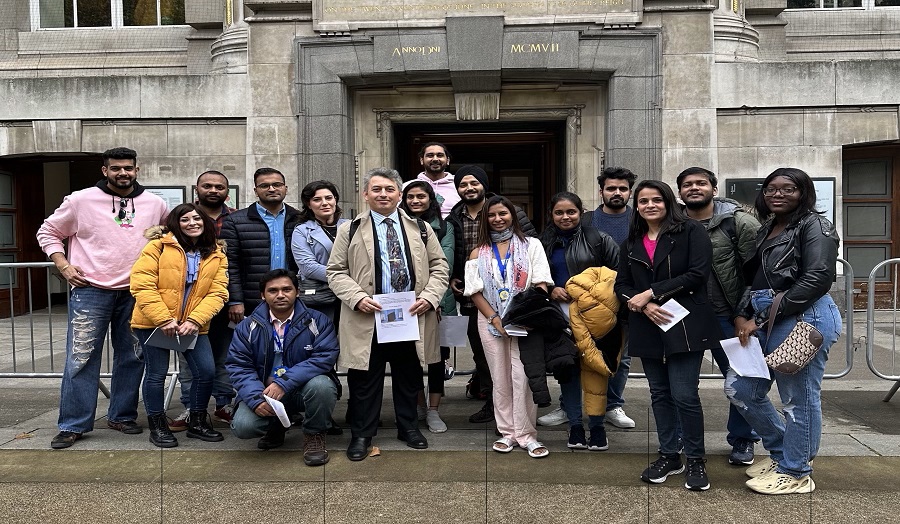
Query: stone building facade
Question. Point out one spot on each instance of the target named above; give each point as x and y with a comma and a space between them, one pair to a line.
543, 93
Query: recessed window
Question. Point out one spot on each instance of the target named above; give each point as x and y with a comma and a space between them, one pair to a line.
107, 13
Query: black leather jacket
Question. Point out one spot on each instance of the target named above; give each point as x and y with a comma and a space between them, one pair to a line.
588, 248
802, 263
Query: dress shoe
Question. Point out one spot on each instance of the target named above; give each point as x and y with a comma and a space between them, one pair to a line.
358, 448
413, 439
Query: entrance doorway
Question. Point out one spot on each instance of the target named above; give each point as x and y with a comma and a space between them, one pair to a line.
523, 161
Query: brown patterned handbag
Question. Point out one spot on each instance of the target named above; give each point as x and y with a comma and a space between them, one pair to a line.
800, 346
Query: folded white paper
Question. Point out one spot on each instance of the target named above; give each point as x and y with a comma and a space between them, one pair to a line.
279, 410
746, 361
676, 310
452, 331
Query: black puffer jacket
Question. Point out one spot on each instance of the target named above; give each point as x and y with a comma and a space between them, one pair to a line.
801, 262
589, 248
247, 237
460, 255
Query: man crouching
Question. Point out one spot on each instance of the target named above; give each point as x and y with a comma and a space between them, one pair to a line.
286, 352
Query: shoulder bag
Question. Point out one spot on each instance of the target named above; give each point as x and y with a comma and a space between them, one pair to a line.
798, 349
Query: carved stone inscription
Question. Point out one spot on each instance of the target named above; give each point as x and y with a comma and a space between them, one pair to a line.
411, 52
336, 11
540, 49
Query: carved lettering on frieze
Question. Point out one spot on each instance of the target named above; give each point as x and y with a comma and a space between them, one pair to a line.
549, 47
423, 50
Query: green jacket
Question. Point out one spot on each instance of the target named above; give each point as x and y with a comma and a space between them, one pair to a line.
448, 245
732, 232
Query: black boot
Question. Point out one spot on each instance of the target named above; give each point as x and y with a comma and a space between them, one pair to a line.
160, 435
200, 426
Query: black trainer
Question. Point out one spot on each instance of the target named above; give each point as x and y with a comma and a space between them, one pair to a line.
696, 479
660, 470
485, 414
741, 453
577, 440
598, 441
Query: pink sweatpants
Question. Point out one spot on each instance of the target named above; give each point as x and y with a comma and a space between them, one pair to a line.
514, 407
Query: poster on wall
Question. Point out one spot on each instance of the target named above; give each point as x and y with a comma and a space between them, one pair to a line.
173, 195
744, 190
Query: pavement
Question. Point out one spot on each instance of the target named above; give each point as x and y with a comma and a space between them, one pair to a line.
112, 477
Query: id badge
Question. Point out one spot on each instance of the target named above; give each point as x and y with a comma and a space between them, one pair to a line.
279, 371
503, 294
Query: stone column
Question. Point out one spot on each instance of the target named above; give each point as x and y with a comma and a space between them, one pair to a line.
229, 51
735, 39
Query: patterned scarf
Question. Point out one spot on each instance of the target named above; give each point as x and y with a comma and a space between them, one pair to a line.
516, 279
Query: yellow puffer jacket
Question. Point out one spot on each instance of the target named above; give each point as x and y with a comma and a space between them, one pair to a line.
592, 315
158, 283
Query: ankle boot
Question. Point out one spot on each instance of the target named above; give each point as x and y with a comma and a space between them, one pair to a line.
200, 426
160, 435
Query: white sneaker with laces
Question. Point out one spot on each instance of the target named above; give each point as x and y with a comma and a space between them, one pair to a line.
554, 418
619, 419
435, 424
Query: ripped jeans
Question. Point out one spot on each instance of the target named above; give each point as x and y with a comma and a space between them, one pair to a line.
91, 312
792, 438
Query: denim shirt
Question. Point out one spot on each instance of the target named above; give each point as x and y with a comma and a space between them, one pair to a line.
275, 223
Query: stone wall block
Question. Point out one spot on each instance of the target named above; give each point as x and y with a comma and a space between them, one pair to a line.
630, 92
326, 134
687, 81
71, 98
149, 140
52, 136
676, 160
737, 162
324, 99
272, 136
271, 43
837, 129
198, 96
823, 161
416, 52
688, 128
637, 160
271, 89
775, 84
687, 33
16, 140
867, 82
206, 139
475, 52
784, 129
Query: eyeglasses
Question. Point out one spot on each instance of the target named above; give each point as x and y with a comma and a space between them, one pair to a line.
273, 185
785, 191
122, 203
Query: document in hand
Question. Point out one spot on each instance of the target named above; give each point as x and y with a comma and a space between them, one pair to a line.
677, 310
394, 323
279, 410
747, 361
181, 344
515, 331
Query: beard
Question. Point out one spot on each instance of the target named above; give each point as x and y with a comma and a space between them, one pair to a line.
211, 202
473, 199
615, 203
698, 204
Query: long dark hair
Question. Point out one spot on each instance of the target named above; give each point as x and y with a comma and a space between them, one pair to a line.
675, 216
804, 184
551, 232
307, 194
206, 242
484, 229
434, 209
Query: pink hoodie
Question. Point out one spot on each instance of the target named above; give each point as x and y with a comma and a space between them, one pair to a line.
103, 246
445, 188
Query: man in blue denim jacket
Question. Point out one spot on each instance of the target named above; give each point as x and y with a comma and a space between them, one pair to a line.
287, 353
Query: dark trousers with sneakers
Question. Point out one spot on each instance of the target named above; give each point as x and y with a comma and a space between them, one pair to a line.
486, 385
675, 396
219, 340
156, 361
367, 388
436, 373
316, 399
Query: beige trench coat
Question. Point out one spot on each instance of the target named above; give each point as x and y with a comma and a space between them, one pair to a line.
351, 276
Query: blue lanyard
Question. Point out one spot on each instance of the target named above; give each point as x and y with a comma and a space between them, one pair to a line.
279, 342
501, 264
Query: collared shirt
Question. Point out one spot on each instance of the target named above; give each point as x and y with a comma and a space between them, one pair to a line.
275, 224
381, 230
470, 229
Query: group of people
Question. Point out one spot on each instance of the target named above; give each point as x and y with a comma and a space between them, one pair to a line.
576, 301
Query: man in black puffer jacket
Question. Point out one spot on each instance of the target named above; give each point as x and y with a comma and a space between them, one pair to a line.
258, 239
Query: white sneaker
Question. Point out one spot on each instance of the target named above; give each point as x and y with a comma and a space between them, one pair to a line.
435, 424
422, 411
554, 418
619, 419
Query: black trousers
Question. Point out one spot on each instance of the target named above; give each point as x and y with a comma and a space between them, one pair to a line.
482, 371
367, 388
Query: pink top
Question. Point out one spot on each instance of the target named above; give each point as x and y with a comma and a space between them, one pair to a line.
445, 188
103, 246
650, 246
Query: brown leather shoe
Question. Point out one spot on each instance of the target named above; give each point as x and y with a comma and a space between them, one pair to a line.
314, 452
129, 427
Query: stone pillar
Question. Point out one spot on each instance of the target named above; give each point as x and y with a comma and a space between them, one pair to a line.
229, 51
735, 39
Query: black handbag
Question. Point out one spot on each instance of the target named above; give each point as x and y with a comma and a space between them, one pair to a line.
798, 349
315, 293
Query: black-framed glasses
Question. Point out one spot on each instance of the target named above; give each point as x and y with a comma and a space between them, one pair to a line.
273, 185
122, 203
785, 191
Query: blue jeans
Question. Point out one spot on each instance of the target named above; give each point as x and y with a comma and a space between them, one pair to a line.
738, 427
570, 402
615, 390
675, 396
91, 313
156, 359
219, 339
792, 439
316, 399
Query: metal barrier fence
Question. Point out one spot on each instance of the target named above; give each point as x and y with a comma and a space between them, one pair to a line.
871, 320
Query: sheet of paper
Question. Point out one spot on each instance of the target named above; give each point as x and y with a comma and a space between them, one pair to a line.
677, 310
515, 331
394, 323
747, 361
452, 331
279, 410
181, 344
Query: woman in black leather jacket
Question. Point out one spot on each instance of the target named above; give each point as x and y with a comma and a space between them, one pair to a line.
571, 248
796, 252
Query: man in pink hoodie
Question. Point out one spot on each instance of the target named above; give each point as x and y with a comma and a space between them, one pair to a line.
435, 158
104, 226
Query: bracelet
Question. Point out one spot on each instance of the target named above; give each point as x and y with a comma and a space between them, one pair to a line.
643, 308
65, 267
492, 317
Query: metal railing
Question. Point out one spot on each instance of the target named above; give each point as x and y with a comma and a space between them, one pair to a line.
894, 264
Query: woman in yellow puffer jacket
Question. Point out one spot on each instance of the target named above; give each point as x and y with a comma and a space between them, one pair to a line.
593, 319
179, 283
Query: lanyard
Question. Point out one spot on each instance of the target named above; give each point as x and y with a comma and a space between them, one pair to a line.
279, 341
501, 264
